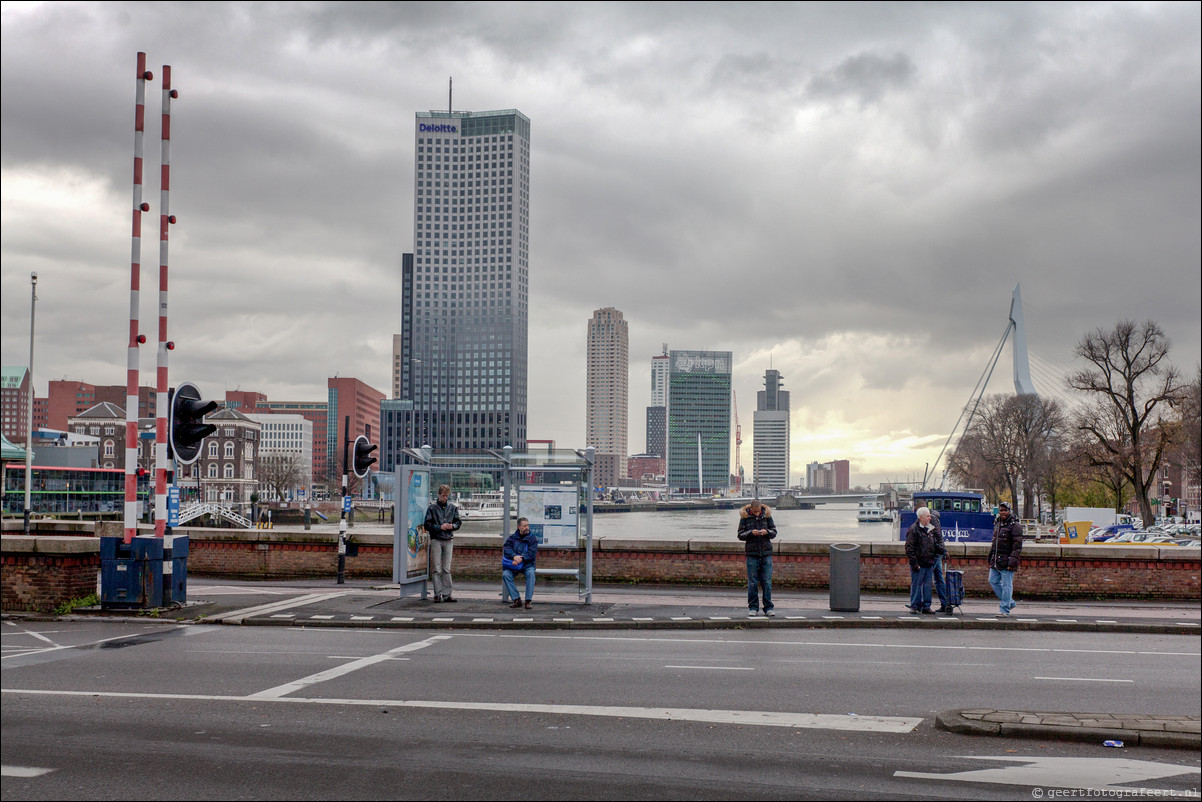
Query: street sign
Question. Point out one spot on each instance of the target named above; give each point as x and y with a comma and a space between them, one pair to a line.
346, 503
173, 506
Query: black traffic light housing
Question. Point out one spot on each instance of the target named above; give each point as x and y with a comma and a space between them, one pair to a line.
363, 459
187, 424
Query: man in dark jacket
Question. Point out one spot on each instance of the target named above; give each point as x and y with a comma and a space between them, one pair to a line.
757, 530
442, 520
924, 543
518, 555
1003, 556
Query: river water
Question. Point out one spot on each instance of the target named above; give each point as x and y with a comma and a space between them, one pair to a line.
827, 523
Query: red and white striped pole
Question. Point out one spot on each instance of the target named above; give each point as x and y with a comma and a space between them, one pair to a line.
165, 219
131, 365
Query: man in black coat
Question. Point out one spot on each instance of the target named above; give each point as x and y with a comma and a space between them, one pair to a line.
924, 544
757, 530
1003, 556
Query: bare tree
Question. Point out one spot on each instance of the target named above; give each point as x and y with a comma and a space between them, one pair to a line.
1129, 376
1191, 428
1006, 447
281, 473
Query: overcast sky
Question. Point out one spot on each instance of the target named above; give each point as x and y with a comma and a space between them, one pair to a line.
848, 192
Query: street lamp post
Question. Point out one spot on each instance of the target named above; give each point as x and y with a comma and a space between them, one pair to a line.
33, 308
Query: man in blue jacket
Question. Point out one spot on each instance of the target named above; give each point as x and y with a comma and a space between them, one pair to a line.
519, 555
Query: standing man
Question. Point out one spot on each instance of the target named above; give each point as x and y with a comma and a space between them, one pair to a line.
442, 519
1003, 556
757, 530
924, 544
518, 556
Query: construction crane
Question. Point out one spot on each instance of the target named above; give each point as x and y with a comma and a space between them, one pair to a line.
738, 446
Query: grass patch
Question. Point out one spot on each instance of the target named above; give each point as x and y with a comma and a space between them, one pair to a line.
68, 607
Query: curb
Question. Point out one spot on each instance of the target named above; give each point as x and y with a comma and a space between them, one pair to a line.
952, 721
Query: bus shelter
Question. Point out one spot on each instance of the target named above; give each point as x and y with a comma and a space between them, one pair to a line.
552, 488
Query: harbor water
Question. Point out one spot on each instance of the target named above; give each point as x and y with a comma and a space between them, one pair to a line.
827, 523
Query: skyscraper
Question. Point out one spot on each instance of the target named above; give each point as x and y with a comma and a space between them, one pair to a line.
699, 420
461, 356
607, 397
657, 412
770, 439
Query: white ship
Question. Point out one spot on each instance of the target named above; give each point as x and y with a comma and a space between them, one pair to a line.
489, 506
872, 511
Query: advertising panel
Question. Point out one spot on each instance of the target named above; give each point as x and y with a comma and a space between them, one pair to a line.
553, 511
411, 542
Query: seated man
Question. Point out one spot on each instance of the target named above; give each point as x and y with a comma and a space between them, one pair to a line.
518, 555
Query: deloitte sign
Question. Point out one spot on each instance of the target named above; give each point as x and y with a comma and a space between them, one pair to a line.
438, 129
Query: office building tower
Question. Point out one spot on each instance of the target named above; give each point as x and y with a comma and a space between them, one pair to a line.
699, 421
833, 477
770, 437
657, 412
607, 396
461, 358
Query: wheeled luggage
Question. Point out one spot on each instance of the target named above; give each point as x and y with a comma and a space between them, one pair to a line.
954, 582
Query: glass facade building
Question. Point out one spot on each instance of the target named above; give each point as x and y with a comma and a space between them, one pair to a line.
699, 436
460, 359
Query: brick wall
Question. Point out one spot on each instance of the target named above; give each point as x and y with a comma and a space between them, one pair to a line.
41, 582
1049, 572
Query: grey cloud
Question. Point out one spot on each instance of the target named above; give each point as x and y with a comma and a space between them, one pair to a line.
864, 77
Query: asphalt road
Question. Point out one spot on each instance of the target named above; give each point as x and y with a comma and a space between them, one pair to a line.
106, 710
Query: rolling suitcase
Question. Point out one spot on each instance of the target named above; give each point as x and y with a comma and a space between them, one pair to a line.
954, 582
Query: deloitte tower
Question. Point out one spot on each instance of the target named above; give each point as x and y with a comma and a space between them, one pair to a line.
459, 363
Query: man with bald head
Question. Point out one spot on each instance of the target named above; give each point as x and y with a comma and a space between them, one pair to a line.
924, 544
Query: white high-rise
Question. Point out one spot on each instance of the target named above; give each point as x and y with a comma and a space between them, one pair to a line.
608, 392
770, 443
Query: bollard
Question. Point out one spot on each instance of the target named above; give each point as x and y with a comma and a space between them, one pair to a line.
308, 517
845, 577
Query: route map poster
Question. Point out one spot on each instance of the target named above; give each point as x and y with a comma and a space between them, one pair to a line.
552, 511
410, 541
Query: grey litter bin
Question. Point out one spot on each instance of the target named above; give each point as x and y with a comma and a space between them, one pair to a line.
845, 577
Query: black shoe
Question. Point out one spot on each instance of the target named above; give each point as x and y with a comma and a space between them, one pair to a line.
450, 599
516, 604
927, 611
913, 611
438, 599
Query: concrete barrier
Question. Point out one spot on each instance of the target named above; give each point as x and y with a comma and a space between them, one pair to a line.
1047, 571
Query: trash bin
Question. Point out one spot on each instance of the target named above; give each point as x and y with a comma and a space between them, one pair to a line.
845, 577
131, 574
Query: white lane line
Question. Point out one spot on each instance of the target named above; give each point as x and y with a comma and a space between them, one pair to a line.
334, 673
715, 668
31, 633
81, 645
279, 606
763, 718
1084, 679
362, 617
23, 771
321, 618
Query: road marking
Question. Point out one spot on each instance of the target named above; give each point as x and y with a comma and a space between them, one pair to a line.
362, 617
719, 617
1085, 679
1064, 772
642, 619
30, 633
605, 620
716, 668
483, 620
682, 618
762, 718
334, 673
402, 618
284, 615
237, 616
27, 652
321, 617
23, 771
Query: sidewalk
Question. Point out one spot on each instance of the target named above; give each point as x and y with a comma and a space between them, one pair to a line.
557, 605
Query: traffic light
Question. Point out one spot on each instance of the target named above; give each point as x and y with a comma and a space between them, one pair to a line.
363, 458
187, 424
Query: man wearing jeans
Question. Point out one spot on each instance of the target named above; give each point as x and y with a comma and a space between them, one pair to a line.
442, 520
924, 544
757, 530
518, 556
1003, 557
